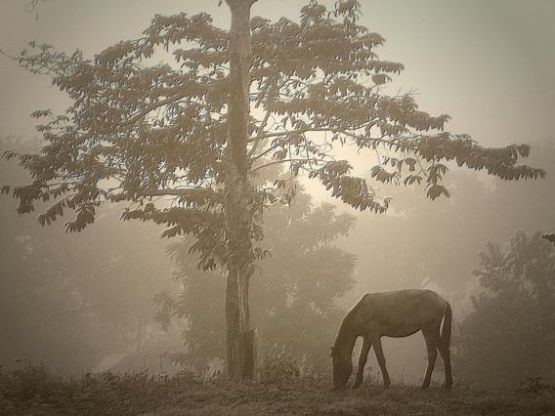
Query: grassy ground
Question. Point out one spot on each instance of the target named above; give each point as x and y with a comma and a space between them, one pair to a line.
32, 391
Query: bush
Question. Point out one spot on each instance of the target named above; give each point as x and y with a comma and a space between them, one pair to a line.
31, 382
32, 389
282, 367
279, 367
535, 385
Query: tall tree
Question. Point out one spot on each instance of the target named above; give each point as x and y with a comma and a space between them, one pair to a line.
177, 142
238, 195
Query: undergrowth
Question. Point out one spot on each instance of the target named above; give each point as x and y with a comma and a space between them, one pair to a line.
32, 390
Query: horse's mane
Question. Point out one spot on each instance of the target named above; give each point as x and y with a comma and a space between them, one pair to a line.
345, 324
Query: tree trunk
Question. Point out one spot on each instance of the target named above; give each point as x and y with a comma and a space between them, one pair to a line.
238, 198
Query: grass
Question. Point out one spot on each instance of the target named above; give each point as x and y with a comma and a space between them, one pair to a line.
32, 390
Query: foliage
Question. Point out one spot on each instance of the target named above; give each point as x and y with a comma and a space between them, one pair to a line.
137, 393
549, 237
294, 290
153, 135
30, 382
68, 301
535, 385
510, 335
279, 368
33, 389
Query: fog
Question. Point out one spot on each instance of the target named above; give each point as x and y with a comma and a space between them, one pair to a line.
116, 296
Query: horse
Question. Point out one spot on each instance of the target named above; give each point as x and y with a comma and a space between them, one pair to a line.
396, 313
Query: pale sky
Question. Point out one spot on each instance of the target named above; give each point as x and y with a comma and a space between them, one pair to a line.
489, 64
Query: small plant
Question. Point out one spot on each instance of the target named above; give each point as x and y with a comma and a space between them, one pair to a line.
535, 385
279, 367
29, 382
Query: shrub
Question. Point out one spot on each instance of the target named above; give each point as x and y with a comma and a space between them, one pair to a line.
535, 385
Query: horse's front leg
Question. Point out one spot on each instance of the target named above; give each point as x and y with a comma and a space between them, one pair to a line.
366, 344
377, 343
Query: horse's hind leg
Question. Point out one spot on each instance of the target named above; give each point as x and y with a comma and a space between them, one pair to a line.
432, 338
443, 348
362, 361
377, 343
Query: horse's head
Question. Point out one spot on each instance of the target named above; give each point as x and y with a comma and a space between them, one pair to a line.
342, 367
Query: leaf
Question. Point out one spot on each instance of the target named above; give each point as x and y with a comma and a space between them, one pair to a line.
41, 113
436, 190
380, 79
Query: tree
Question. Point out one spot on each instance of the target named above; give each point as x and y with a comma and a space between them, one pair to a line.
510, 334
178, 142
294, 290
68, 302
550, 237
32, 7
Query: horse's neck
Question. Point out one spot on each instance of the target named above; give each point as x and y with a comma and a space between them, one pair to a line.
347, 335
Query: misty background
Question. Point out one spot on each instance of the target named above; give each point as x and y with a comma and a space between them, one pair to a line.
81, 302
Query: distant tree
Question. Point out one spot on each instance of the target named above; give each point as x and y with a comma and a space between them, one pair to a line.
42, 316
550, 237
32, 6
510, 334
68, 302
181, 141
294, 290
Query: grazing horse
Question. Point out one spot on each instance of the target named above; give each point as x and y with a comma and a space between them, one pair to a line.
397, 313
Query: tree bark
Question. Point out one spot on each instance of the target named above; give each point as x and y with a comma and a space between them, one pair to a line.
238, 198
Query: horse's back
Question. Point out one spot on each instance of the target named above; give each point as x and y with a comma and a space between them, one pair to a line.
421, 296
399, 313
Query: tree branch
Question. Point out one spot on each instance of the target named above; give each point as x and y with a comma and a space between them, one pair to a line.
265, 152
173, 192
153, 107
258, 137
299, 131
288, 160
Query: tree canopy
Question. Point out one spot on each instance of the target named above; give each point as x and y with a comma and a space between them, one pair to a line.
139, 131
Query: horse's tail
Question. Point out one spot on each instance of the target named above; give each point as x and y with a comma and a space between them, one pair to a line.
446, 327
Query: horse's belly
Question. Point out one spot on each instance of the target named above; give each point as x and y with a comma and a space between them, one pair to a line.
391, 328
401, 330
